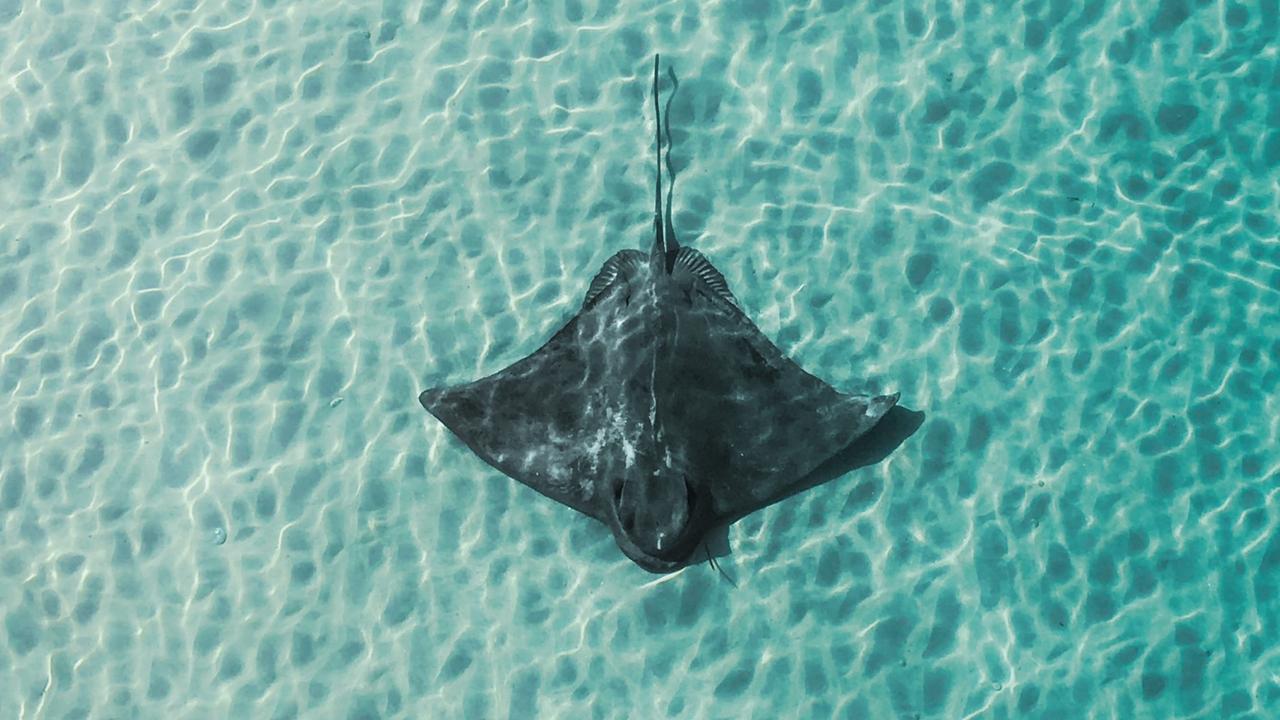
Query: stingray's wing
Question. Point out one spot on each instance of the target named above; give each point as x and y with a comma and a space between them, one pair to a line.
545, 419
752, 423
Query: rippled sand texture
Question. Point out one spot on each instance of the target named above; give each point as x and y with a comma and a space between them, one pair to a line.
239, 238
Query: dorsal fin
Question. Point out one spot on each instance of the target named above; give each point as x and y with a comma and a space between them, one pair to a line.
623, 263
696, 264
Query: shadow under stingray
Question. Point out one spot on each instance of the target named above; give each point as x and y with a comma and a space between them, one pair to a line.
888, 435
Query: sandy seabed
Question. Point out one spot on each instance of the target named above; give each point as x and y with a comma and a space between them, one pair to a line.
237, 239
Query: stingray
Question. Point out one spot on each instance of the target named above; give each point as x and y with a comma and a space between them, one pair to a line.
659, 409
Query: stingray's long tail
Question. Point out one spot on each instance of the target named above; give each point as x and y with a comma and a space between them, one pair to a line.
659, 227
664, 235
669, 229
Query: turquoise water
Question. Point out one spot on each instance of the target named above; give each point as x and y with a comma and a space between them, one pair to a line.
239, 238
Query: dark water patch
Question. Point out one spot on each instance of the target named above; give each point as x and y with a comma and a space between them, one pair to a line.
886, 26
23, 630
1009, 325
914, 22
1126, 121
313, 84
28, 419
939, 442
809, 91
1100, 606
1176, 118
1136, 186
544, 42
401, 604
1153, 682
218, 83
937, 109
12, 489
1143, 580
972, 332
1028, 698
991, 182
1054, 614
78, 158
181, 108
1160, 165
738, 679
124, 249
937, 688
265, 503
888, 644
884, 113
90, 599
946, 622
202, 45
201, 143
1038, 508
956, 137
940, 310
1169, 15
1024, 628
9, 9
1236, 16
995, 575
1058, 566
1193, 662
979, 433
919, 267
1109, 324
1034, 34
304, 484
1171, 434
90, 339
359, 46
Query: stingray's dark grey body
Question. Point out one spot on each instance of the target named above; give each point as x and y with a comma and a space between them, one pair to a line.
659, 409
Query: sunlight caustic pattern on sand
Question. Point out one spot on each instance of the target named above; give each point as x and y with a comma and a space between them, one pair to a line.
237, 239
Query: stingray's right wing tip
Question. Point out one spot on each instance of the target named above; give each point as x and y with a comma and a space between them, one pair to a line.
886, 402
877, 408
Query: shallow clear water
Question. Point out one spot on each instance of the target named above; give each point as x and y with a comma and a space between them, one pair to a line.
237, 239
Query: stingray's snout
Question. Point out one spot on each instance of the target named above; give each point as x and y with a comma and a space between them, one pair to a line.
650, 519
